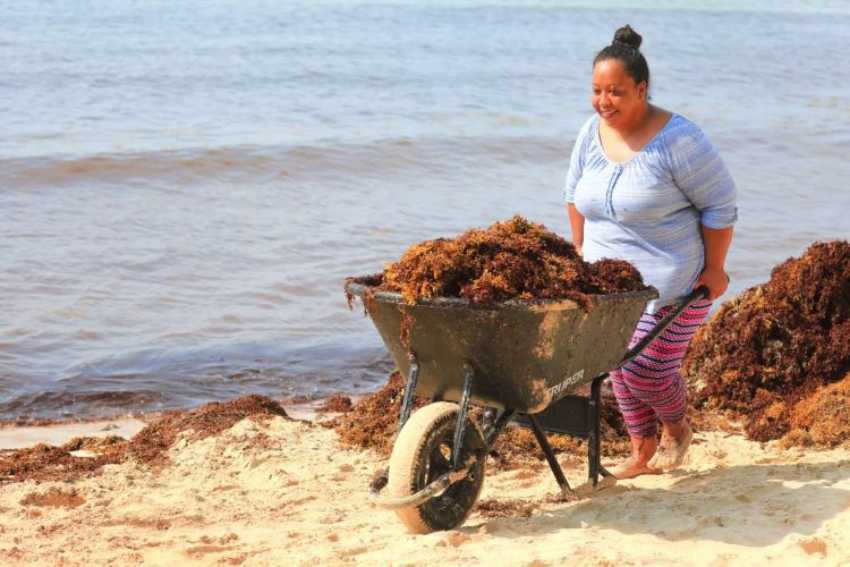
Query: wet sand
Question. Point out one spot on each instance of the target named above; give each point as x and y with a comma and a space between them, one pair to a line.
61, 433
277, 490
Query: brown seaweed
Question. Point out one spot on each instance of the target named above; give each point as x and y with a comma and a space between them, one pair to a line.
778, 343
338, 403
514, 259
823, 418
148, 447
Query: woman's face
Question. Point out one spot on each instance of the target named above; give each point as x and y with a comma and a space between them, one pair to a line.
616, 98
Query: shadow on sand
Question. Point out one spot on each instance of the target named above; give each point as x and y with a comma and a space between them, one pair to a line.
752, 505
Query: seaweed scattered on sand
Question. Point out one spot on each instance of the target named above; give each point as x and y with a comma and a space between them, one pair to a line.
338, 403
373, 422
151, 443
45, 462
514, 259
149, 446
54, 497
778, 344
491, 508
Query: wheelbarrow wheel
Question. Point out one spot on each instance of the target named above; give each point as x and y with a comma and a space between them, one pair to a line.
421, 454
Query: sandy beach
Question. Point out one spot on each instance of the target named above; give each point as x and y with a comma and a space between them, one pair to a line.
275, 490
190, 189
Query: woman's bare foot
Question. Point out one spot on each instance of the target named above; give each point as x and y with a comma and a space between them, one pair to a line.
643, 449
675, 439
631, 468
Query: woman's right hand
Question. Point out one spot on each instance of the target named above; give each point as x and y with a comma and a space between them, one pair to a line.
576, 227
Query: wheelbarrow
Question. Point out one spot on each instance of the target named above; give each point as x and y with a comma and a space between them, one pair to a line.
521, 360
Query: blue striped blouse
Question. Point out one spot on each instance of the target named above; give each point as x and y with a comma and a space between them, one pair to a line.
649, 209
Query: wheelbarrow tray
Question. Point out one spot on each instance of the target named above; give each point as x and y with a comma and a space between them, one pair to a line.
524, 355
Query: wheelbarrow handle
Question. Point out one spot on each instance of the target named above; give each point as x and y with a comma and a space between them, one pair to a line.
699, 293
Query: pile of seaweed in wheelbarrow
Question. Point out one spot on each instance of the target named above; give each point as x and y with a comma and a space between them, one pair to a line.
778, 356
514, 259
501, 325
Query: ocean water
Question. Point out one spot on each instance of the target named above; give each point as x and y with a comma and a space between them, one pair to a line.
184, 186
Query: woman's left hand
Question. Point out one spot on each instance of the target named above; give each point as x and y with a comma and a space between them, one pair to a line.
713, 276
716, 280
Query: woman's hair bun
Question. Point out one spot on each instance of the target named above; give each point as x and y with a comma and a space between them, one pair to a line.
627, 37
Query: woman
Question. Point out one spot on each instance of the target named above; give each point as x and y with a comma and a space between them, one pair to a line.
646, 185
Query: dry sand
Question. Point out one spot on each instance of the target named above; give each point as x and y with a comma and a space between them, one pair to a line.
276, 491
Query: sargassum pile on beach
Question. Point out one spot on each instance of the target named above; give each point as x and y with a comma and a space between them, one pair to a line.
778, 356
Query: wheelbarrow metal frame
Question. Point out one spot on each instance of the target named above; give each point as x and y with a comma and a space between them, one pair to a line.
539, 421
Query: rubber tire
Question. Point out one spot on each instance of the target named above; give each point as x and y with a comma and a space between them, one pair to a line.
409, 472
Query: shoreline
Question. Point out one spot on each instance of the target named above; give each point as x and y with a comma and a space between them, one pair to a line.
147, 415
59, 431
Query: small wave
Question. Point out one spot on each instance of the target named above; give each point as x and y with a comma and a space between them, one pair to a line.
276, 163
175, 166
53, 404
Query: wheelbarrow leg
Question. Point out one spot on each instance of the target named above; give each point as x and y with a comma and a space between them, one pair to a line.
409, 389
381, 477
493, 431
550, 456
594, 465
460, 426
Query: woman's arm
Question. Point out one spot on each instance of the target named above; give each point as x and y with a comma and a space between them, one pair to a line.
716, 242
576, 226
573, 176
702, 176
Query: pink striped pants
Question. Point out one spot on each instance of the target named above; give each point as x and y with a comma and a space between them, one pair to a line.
650, 387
